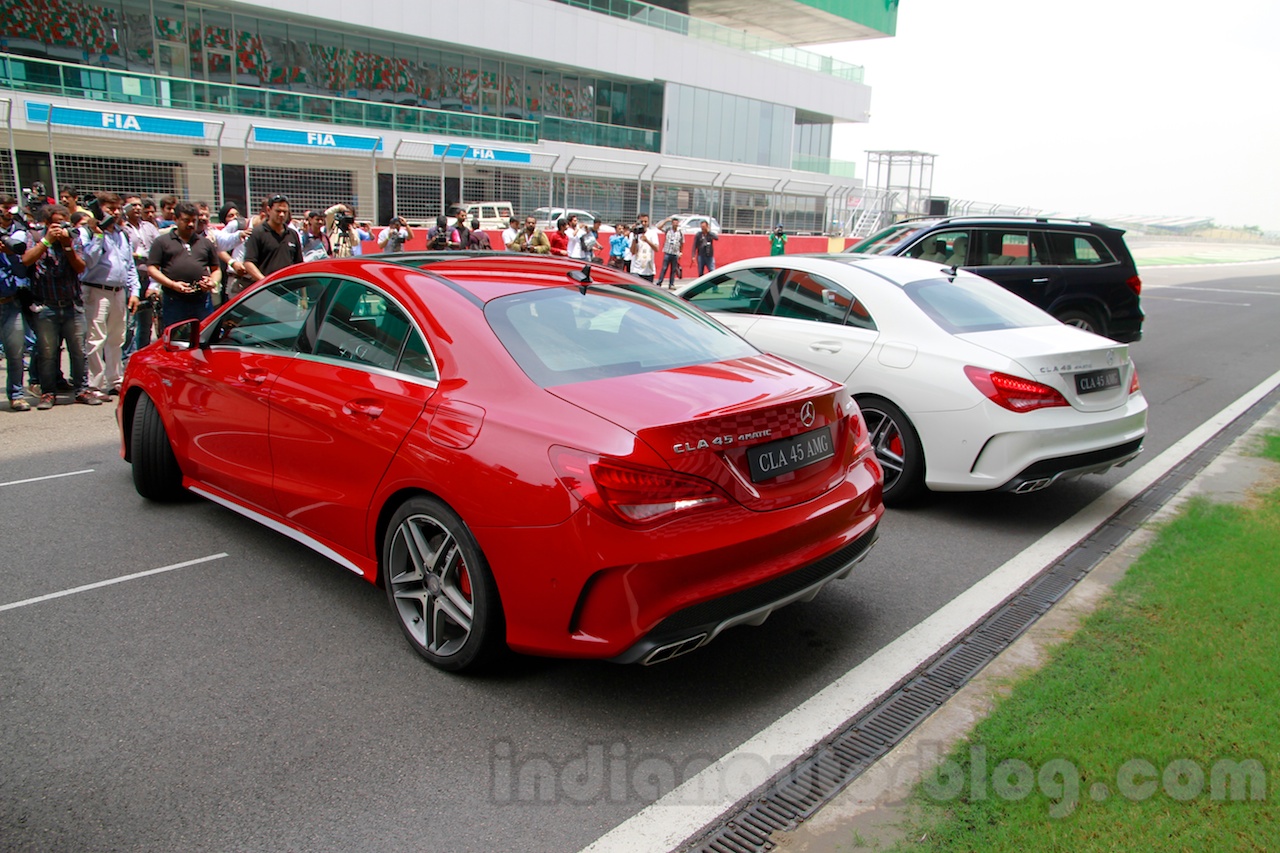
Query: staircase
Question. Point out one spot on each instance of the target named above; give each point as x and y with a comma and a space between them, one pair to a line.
866, 224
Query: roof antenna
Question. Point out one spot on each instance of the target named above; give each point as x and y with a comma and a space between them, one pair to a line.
582, 277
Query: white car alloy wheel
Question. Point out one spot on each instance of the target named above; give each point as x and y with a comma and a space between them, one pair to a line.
897, 447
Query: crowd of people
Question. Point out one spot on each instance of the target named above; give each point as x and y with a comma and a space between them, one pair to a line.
91, 275
633, 248
95, 275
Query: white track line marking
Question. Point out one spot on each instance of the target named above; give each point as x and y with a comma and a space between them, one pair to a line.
27, 602
703, 799
1210, 289
47, 477
1198, 301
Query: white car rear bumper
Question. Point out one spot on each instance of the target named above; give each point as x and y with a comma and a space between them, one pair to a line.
1027, 451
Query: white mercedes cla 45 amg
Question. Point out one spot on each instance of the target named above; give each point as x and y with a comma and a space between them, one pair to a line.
964, 386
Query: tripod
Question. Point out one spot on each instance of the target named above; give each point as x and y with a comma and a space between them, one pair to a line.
343, 243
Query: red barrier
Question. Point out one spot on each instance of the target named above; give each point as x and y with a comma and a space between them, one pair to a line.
729, 248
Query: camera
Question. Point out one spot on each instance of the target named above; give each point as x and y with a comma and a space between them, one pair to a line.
34, 198
95, 207
13, 244
343, 220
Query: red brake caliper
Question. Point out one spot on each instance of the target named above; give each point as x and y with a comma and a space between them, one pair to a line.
464, 581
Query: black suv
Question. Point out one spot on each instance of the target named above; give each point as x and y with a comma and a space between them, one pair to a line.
1080, 272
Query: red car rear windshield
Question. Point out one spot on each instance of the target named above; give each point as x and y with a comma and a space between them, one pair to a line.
562, 335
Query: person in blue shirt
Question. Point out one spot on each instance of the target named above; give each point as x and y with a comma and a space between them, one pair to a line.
618, 245
13, 287
110, 278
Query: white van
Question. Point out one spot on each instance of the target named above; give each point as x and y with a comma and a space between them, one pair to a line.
493, 215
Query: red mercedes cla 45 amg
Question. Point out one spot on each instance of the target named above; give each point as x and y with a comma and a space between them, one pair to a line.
526, 454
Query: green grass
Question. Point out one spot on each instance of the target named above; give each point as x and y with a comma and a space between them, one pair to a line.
1177, 673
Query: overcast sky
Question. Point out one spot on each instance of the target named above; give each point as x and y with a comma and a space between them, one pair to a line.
1100, 107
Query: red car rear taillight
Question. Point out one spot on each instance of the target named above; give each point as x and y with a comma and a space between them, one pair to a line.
1133, 382
632, 493
1135, 284
858, 432
1013, 392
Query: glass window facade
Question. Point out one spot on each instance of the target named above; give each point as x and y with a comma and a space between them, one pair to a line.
717, 126
220, 46
812, 135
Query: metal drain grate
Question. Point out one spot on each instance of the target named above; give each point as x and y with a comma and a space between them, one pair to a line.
813, 781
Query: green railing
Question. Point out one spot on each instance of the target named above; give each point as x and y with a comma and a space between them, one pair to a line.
675, 22
823, 165
596, 133
151, 90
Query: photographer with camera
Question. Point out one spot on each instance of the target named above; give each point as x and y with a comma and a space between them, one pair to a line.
34, 198
644, 245
778, 241
110, 281
396, 234
345, 235
443, 236
14, 292
530, 239
54, 266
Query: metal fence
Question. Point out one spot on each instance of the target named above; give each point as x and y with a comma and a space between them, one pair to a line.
307, 189
127, 176
427, 176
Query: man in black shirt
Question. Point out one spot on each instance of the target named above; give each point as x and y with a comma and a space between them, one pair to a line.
273, 245
704, 247
186, 266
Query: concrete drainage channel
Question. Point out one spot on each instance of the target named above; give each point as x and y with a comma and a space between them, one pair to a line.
810, 783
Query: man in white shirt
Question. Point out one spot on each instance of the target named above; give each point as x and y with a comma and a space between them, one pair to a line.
511, 233
644, 245
395, 235
575, 231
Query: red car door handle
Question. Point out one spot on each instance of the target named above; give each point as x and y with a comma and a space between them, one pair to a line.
255, 376
363, 407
